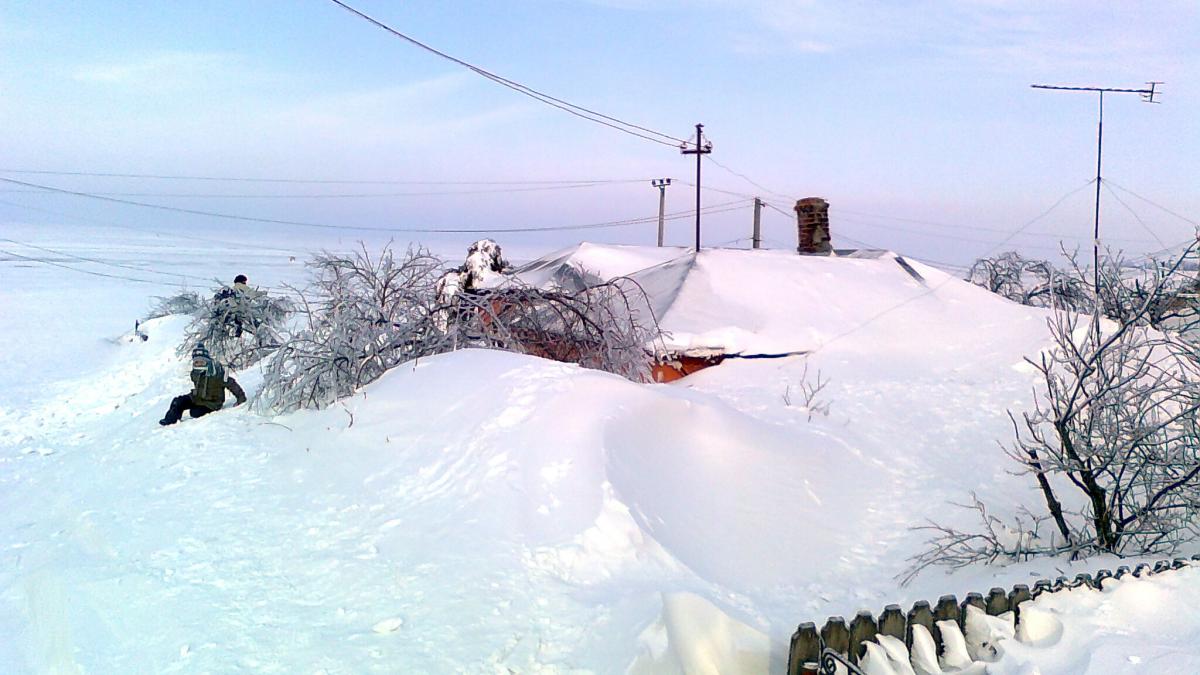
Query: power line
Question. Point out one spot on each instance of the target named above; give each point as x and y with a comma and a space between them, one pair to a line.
868, 245
951, 237
296, 223
749, 180
173, 235
96, 261
566, 106
707, 188
313, 181
977, 228
934, 235
361, 195
91, 272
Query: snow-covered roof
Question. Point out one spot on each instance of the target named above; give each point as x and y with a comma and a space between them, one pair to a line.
767, 301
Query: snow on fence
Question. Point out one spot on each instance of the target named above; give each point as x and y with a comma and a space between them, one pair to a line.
931, 639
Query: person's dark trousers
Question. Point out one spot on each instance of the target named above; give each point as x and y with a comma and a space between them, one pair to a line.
180, 404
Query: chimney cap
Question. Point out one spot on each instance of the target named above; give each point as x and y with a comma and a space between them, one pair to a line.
811, 201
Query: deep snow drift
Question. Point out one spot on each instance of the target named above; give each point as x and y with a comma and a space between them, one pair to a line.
483, 511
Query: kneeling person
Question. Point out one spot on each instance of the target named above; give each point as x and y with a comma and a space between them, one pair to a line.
209, 383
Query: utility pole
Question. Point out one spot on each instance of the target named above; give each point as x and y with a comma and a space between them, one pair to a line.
661, 184
1147, 96
756, 238
702, 148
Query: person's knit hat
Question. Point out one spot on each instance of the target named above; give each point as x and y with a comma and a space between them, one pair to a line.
201, 360
200, 351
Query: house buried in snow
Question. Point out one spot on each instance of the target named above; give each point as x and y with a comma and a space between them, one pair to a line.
718, 304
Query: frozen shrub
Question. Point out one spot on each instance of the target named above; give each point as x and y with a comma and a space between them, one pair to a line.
184, 302
1030, 282
362, 315
1114, 424
239, 328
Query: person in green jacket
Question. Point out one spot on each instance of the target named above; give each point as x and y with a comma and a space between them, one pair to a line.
209, 383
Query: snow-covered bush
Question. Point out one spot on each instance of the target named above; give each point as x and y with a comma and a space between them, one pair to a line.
606, 326
184, 302
1123, 287
1116, 417
1036, 283
362, 316
1115, 425
1168, 293
239, 327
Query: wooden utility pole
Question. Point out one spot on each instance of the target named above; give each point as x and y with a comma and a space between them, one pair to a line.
702, 148
661, 184
756, 237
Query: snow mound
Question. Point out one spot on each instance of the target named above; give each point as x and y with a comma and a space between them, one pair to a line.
485, 511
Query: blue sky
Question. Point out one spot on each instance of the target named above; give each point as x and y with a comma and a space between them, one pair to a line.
895, 112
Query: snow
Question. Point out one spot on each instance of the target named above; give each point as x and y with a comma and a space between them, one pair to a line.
556, 519
1132, 626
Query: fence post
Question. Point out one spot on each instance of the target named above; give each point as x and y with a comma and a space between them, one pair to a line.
835, 635
862, 629
946, 610
997, 602
919, 614
1019, 594
804, 658
975, 599
891, 622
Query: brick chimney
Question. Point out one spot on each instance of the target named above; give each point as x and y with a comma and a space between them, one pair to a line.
812, 219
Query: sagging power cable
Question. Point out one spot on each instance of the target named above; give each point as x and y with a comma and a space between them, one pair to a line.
566, 106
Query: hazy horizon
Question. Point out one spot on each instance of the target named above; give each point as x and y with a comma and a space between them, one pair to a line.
915, 120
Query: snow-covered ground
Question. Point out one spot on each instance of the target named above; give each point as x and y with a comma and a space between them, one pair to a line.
491, 512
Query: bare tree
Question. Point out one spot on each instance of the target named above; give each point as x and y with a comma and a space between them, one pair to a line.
1114, 428
1117, 418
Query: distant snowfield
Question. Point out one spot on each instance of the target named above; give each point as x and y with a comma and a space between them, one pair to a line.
491, 512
